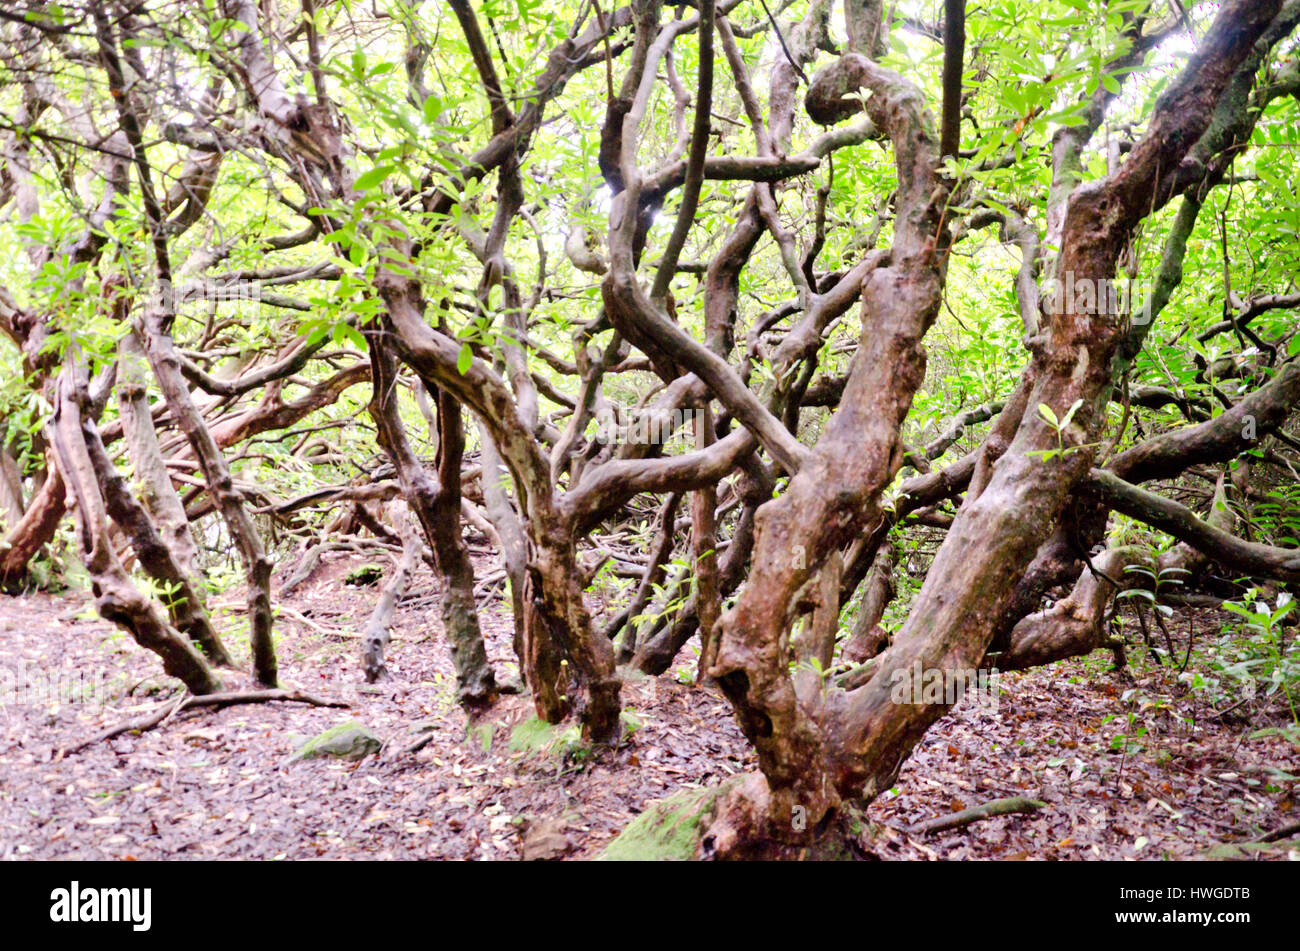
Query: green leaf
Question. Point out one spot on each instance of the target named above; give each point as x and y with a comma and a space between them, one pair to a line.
349, 333
465, 359
373, 177
1136, 593
432, 109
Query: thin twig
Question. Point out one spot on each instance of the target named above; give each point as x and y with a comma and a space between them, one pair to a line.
785, 49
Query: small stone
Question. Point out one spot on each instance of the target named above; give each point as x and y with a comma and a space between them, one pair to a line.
545, 841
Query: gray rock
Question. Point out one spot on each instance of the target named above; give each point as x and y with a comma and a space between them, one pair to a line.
350, 741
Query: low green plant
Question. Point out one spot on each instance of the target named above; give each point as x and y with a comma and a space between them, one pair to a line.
1255, 657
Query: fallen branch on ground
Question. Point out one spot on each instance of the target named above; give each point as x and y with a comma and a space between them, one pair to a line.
158, 717
1278, 834
283, 610
998, 807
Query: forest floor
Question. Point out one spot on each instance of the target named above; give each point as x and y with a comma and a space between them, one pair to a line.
1124, 770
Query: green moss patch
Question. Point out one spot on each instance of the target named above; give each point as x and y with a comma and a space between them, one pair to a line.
668, 831
350, 740
549, 739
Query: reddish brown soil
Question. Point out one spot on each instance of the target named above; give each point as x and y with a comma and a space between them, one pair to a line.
215, 784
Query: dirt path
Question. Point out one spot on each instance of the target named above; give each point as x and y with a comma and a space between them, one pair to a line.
215, 784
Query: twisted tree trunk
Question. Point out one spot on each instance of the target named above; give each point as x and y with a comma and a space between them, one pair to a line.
36, 528
116, 598
852, 744
436, 505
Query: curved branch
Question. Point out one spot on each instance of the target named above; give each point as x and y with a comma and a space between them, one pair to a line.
1282, 564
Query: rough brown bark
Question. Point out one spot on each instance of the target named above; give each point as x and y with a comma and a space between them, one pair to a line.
708, 596
116, 598
180, 594
257, 566
374, 637
868, 638
153, 481
161, 351
856, 742
837, 490
997, 532
459, 612
1264, 561
35, 529
436, 506
559, 643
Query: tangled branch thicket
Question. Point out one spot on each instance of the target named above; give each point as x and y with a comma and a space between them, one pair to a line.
287, 278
